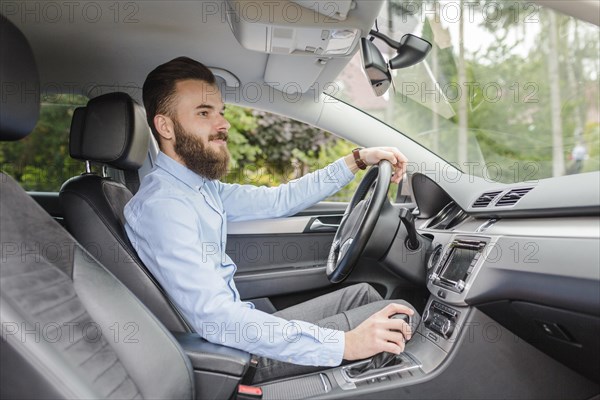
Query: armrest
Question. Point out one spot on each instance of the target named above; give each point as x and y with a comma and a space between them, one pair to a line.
212, 357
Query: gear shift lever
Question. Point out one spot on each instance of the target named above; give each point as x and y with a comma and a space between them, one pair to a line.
380, 360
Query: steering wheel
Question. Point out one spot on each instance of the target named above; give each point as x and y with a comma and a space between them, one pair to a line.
358, 222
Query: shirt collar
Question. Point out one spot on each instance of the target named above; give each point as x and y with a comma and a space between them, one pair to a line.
180, 172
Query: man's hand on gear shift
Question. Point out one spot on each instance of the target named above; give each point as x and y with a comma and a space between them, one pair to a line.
379, 333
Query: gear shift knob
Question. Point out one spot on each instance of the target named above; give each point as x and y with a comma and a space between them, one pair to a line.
384, 359
380, 360
403, 317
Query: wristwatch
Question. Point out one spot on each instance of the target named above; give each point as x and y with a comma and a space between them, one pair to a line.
360, 163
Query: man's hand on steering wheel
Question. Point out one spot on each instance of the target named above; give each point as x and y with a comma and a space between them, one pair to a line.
363, 211
373, 155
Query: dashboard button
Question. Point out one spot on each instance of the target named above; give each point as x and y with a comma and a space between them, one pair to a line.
441, 294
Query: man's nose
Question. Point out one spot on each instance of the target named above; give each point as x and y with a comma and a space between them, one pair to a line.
222, 123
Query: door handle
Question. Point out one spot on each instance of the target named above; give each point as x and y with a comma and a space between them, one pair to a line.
318, 225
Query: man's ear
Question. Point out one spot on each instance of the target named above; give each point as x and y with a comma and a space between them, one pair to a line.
164, 126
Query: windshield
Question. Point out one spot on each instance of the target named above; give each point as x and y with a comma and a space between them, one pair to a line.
509, 91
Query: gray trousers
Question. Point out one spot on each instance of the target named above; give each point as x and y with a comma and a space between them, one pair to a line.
343, 309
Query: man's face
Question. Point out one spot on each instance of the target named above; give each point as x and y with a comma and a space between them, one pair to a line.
201, 129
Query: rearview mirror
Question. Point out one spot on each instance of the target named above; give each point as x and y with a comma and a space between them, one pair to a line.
411, 50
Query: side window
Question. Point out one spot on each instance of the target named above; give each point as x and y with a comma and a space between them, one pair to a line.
41, 161
268, 149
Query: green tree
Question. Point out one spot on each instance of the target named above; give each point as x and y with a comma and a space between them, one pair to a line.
285, 141
41, 161
518, 109
269, 149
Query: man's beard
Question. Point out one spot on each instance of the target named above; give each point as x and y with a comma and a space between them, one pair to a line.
198, 157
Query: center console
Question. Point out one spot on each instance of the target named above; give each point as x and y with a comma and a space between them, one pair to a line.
449, 279
441, 319
453, 341
456, 268
450, 275
405, 366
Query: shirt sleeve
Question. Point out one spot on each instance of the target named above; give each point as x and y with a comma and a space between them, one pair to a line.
168, 236
249, 202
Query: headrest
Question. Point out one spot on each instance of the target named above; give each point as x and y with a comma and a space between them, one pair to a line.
111, 129
20, 84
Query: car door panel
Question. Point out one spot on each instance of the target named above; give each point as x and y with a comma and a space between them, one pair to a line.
279, 263
283, 255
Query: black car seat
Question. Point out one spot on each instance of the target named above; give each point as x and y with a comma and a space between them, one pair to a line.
112, 131
70, 329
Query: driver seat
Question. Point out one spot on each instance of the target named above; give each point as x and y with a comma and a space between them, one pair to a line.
112, 130
70, 329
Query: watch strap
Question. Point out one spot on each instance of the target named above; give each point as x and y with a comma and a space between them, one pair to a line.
360, 163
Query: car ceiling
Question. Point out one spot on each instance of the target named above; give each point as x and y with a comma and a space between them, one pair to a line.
92, 58
96, 57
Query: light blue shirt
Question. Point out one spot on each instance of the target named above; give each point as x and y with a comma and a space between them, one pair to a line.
177, 222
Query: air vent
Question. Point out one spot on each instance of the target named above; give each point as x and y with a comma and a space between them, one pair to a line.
485, 199
449, 217
511, 198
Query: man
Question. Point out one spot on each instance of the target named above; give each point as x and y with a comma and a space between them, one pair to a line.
578, 155
178, 223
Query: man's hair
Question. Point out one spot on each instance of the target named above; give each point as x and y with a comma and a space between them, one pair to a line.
159, 87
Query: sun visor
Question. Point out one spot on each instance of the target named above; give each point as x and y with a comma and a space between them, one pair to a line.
307, 70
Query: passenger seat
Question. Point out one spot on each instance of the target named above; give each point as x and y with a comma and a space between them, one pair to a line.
69, 328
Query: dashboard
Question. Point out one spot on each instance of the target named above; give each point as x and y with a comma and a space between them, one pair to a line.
534, 272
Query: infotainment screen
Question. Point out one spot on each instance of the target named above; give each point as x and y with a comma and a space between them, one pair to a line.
458, 264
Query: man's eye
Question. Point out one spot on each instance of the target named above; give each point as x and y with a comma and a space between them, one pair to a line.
203, 113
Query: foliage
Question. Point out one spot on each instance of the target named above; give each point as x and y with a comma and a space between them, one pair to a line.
242, 122
41, 161
285, 141
266, 149
591, 137
508, 91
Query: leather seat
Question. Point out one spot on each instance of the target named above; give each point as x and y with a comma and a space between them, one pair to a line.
112, 130
70, 329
